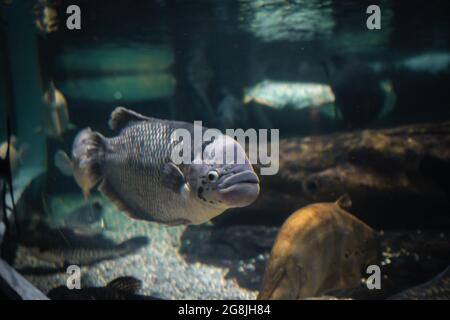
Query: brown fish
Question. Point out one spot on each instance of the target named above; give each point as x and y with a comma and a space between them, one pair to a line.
56, 120
319, 248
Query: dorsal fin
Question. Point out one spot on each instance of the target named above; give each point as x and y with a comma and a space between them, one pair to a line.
344, 202
121, 117
126, 284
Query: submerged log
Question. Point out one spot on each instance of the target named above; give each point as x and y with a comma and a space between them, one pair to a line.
396, 177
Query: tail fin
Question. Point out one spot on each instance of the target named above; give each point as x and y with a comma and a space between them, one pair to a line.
88, 153
63, 163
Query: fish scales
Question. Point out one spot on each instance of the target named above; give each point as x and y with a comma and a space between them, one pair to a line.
135, 170
133, 166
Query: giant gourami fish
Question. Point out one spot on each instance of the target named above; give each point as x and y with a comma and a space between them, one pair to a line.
135, 171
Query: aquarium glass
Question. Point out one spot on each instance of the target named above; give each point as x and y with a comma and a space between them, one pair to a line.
342, 109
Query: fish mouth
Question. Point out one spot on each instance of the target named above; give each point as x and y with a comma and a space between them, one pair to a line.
246, 176
240, 189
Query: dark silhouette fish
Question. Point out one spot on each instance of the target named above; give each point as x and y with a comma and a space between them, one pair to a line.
123, 288
359, 95
135, 170
437, 288
231, 111
63, 247
85, 220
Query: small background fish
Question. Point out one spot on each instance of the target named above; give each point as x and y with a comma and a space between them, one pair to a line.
84, 220
297, 95
63, 247
46, 16
15, 155
73, 167
56, 115
123, 288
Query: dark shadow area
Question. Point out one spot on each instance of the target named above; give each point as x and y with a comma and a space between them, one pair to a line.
242, 249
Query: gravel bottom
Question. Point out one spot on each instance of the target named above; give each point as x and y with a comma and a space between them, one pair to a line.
213, 262
163, 271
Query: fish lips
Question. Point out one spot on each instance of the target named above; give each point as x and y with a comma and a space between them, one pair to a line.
239, 189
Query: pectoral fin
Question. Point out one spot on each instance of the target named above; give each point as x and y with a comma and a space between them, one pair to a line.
174, 179
63, 163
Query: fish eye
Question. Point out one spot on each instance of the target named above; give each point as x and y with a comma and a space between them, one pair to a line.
213, 176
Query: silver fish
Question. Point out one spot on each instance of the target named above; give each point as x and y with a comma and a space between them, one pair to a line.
432, 62
135, 171
281, 94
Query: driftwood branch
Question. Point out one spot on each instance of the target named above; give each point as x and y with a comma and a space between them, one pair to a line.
396, 177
